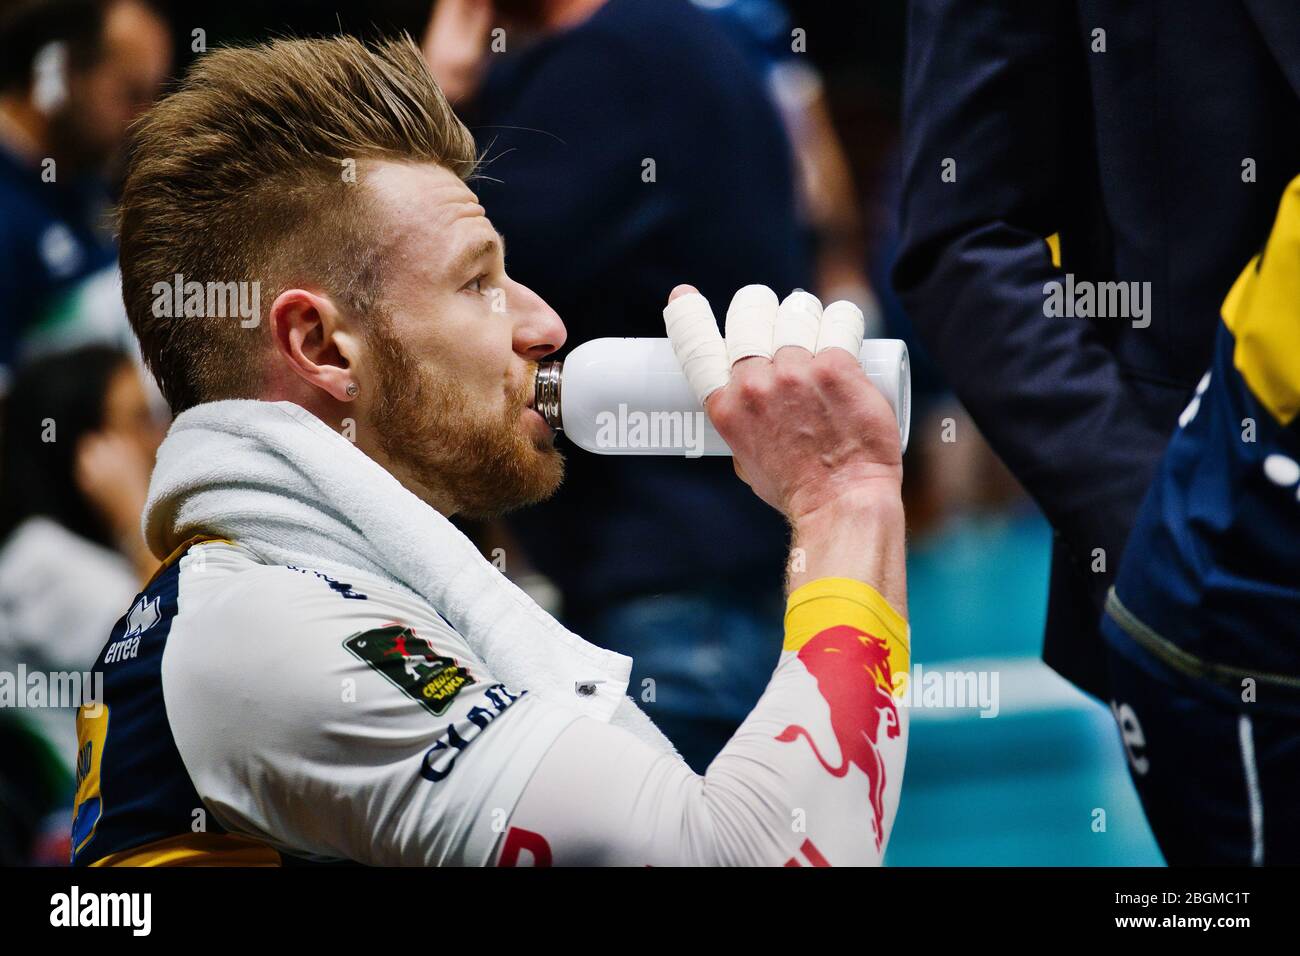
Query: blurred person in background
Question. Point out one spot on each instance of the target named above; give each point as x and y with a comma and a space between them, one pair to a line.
77, 444
1203, 623
73, 75
828, 200
1046, 141
605, 208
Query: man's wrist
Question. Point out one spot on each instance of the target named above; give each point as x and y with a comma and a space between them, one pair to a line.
876, 504
859, 536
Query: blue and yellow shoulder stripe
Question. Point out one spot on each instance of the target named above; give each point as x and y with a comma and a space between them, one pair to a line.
135, 804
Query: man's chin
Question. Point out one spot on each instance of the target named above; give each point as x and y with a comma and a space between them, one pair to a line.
550, 470
538, 479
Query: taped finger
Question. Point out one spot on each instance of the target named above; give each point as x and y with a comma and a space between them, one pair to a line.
750, 322
798, 321
697, 343
841, 328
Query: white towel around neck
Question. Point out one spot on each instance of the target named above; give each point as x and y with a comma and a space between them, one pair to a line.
277, 480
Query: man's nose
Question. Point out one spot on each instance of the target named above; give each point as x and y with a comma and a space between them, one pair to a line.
539, 331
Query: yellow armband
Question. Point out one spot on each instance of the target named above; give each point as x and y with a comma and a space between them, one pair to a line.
831, 602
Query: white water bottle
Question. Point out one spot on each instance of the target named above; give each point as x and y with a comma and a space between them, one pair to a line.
616, 396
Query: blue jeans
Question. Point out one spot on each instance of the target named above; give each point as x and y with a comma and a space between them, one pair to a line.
701, 659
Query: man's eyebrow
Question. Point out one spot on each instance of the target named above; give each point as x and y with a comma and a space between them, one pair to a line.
476, 251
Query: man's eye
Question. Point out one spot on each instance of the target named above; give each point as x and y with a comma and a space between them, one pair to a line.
476, 284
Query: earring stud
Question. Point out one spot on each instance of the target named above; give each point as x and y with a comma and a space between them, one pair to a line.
353, 388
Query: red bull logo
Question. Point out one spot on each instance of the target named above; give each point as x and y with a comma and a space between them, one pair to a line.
851, 668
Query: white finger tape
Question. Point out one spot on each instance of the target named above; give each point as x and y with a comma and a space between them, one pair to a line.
697, 343
841, 328
797, 321
750, 322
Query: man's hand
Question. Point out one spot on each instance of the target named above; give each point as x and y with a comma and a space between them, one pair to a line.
810, 433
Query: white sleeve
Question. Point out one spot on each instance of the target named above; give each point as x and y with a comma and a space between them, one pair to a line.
811, 778
337, 726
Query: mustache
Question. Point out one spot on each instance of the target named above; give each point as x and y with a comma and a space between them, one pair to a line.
522, 397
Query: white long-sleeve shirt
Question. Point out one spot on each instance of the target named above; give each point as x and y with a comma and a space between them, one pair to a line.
257, 713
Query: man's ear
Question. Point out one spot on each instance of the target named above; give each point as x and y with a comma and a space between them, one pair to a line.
315, 341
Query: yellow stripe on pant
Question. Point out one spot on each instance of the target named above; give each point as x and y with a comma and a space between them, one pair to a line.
195, 849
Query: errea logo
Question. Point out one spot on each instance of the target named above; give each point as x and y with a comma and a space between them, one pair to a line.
143, 616
122, 650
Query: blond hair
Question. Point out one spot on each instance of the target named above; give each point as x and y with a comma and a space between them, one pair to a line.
242, 175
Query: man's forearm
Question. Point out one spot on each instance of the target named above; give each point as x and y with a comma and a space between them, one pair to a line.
812, 777
862, 538
781, 790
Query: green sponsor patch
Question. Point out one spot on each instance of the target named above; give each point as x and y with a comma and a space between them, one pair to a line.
410, 662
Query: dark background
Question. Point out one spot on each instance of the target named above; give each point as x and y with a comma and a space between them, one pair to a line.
858, 48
